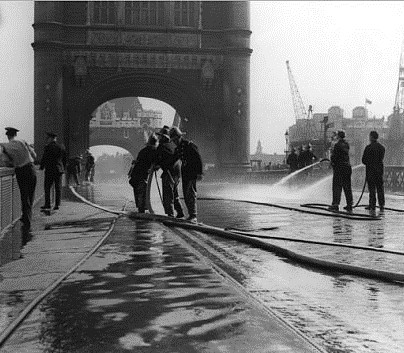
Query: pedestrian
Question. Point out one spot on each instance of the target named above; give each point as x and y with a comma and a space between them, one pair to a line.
292, 161
73, 170
54, 163
191, 170
139, 171
342, 172
89, 167
170, 164
22, 156
372, 158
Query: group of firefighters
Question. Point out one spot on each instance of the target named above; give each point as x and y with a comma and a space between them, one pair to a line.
372, 158
178, 158
301, 158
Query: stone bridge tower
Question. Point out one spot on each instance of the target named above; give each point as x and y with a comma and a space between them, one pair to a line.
193, 55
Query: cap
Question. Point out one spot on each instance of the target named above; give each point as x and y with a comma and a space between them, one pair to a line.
341, 134
152, 141
164, 132
51, 134
11, 131
175, 132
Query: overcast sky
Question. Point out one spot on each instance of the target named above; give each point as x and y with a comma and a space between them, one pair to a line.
340, 53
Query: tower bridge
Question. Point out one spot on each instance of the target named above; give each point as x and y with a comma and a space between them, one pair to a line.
124, 123
193, 55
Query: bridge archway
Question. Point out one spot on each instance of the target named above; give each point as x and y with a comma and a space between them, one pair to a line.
186, 99
111, 162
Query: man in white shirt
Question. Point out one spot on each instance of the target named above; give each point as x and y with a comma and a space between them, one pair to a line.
21, 157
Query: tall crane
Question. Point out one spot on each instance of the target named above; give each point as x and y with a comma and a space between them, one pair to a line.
399, 101
304, 123
395, 135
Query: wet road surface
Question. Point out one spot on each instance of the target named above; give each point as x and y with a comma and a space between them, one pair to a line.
340, 312
143, 291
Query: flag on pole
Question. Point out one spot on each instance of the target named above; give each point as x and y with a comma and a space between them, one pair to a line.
367, 101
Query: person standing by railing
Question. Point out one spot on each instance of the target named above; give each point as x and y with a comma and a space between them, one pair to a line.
21, 156
54, 163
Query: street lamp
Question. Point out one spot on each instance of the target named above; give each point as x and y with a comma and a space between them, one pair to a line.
326, 127
287, 144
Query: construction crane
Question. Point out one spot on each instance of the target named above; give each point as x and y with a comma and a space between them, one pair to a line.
395, 135
306, 130
399, 101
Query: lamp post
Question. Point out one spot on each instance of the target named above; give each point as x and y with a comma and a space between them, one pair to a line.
326, 127
287, 145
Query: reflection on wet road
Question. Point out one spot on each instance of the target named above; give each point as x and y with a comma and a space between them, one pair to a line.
344, 313
340, 312
142, 291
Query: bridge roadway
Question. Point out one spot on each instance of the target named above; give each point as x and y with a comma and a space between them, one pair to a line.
144, 289
186, 291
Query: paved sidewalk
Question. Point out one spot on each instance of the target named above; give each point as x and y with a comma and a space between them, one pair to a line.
51, 252
155, 310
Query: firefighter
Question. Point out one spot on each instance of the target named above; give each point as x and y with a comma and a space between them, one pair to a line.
342, 172
372, 158
170, 163
292, 161
191, 170
139, 172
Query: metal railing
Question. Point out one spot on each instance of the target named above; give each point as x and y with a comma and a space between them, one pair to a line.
10, 203
393, 177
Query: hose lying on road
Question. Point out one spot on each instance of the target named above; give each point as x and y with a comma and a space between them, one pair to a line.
316, 242
323, 206
356, 270
358, 217
329, 265
386, 208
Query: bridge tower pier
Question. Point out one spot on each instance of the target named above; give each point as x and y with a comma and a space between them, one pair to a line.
193, 55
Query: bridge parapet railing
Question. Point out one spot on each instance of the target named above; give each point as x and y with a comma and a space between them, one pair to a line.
10, 203
393, 177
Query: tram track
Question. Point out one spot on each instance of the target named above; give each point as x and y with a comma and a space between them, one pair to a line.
221, 263
212, 257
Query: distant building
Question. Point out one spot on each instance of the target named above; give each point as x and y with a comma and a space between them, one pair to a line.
125, 113
262, 161
356, 128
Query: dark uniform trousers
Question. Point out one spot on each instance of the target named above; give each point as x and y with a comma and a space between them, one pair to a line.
189, 189
51, 178
375, 184
170, 194
139, 191
342, 181
26, 179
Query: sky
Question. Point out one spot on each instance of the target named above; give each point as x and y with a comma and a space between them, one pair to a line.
340, 53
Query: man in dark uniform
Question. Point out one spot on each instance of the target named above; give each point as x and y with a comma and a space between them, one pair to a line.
171, 166
73, 169
372, 158
292, 161
139, 171
21, 156
54, 163
191, 169
89, 167
310, 157
342, 173
301, 157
